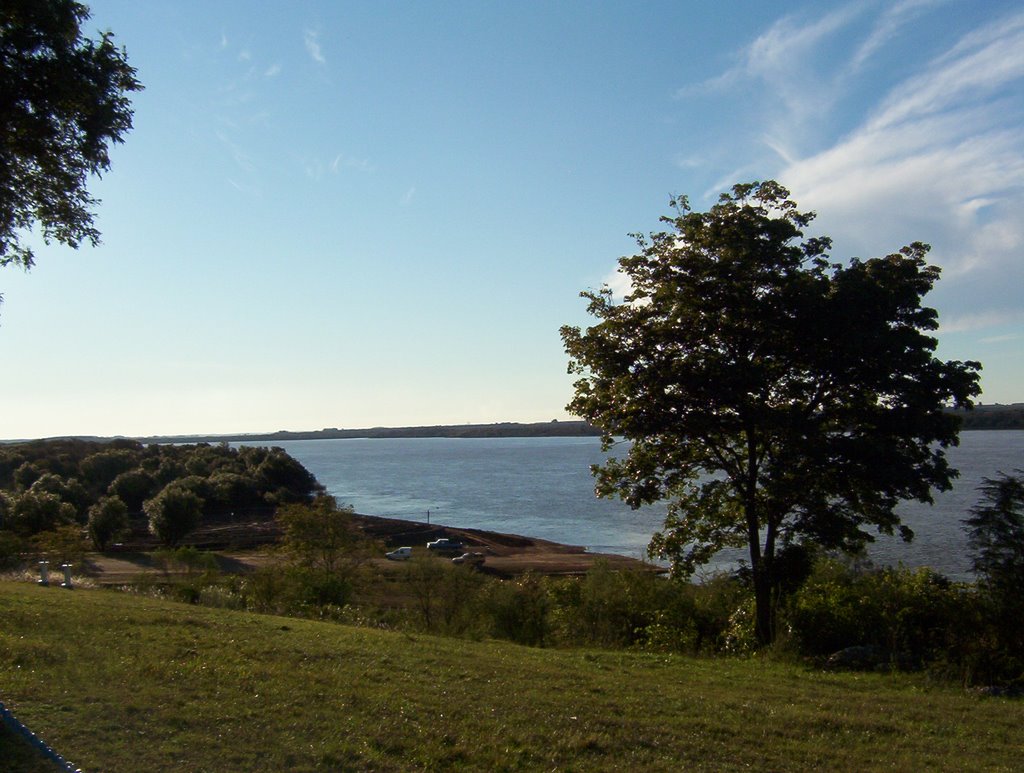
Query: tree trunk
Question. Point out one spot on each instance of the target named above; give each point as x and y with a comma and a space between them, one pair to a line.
764, 624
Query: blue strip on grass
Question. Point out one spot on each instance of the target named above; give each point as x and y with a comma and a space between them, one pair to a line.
16, 727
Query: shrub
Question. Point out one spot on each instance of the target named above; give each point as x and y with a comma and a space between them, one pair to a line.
910, 614
11, 549
36, 511
516, 610
108, 520
63, 545
173, 514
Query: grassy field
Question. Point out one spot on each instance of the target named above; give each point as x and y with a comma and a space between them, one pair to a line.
117, 682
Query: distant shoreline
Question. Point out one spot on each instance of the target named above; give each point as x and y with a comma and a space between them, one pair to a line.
990, 416
502, 429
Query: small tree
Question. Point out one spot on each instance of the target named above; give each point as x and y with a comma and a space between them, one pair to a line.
995, 532
173, 514
324, 548
996, 538
772, 397
108, 519
322, 536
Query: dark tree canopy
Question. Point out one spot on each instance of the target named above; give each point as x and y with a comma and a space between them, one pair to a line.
173, 514
63, 101
772, 397
995, 532
51, 481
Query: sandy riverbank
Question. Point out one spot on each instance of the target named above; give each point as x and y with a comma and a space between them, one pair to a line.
243, 547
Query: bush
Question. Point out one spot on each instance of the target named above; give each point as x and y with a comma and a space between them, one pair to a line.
108, 520
63, 545
11, 549
173, 514
909, 614
36, 511
516, 610
295, 590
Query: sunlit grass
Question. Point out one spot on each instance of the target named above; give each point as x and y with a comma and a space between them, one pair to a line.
119, 682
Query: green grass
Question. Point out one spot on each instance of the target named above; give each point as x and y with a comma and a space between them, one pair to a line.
117, 682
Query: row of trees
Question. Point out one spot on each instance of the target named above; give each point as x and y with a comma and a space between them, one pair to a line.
48, 484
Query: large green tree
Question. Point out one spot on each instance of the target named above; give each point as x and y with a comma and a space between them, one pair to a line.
772, 397
63, 102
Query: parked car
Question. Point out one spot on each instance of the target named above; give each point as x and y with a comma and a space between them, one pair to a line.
399, 554
444, 544
471, 559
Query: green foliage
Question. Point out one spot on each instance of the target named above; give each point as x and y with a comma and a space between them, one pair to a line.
108, 520
188, 572
996, 538
295, 590
133, 487
69, 490
517, 610
231, 491
285, 480
34, 511
66, 101
995, 532
81, 473
323, 549
909, 614
446, 598
11, 549
771, 397
99, 470
62, 545
321, 536
26, 475
173, 514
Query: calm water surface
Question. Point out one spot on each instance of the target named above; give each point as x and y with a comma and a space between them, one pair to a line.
541, 487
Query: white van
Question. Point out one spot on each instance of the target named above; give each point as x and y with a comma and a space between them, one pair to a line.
399, 554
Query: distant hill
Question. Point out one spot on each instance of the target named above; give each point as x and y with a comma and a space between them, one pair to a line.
993, 416
504, 429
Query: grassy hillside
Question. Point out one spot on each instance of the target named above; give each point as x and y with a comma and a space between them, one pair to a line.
116, 682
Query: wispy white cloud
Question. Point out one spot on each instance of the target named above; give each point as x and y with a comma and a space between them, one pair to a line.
1001, 339
316, 168
408, 196
341, 162
941, 159
888, 26
937, 156
978, 66
272, 71
312, 42
780, 61
984, 320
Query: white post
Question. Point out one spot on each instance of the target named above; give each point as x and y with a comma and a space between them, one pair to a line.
67, 576
44, 572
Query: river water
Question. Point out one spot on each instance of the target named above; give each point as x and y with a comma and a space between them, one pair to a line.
541, 487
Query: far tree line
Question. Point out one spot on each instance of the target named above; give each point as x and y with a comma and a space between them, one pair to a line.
46, 485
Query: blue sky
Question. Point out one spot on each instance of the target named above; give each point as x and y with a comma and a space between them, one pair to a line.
339, 214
